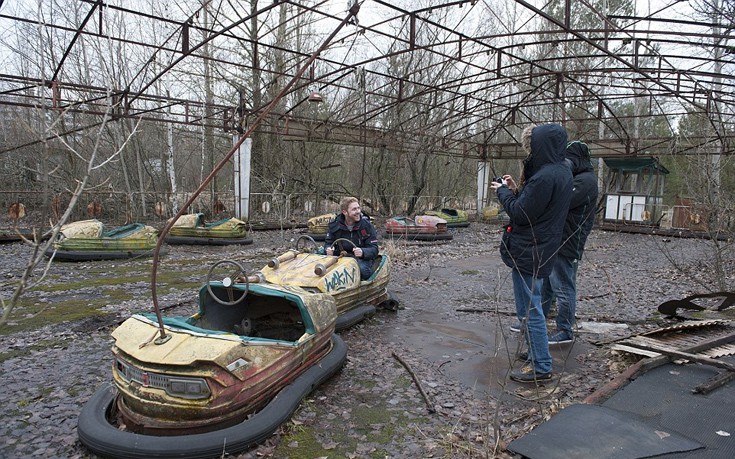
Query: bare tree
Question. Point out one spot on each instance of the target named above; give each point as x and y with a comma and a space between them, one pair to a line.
94, 160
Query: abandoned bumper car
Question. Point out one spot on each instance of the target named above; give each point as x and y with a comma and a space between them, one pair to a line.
191, 229
306, 267
422, 228
87, 240
318, 226
225, 378
456, 218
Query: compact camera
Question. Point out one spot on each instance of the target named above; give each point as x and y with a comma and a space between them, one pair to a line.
498, 179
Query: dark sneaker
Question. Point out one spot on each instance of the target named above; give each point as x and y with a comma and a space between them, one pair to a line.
560, 337
523, 355
528, 375
516, 327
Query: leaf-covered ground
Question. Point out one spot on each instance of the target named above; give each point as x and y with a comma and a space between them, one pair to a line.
450, 341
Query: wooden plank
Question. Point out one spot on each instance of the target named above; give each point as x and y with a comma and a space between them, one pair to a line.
653, 345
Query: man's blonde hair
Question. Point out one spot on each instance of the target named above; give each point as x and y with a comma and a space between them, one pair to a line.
344, 204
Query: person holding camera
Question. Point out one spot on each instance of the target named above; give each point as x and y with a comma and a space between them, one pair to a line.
537, 211
351, 224
562, 282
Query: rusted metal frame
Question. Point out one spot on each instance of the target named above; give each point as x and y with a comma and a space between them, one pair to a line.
464, 142
609, 23
223, 32
127, 41
585, 85
633, 35
694, 149
592, 43
581, 84
463, 96
663, 20
588, 86
427, 9
19, 90
415, 13
681, 91
80, 31
501, 125
487, 47
499, 51
443, 87
121, 9
214, 34
209, 38
185, 38
79, 129
117, 39
75, 38
99, 90
93, 89
137, 115
157, 119
465, 38
139, 93
390, 78
156, 254
337, 75
198, 28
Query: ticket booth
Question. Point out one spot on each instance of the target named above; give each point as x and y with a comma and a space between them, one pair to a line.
633, 189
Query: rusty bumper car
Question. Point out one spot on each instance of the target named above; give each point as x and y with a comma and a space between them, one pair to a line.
456, 218
87, 240
317, 226
339, 276
192, 230
223, 380
422, 228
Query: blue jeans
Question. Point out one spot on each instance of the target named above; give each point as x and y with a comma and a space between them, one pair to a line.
366, 268
562, 283
527, 292
547, 298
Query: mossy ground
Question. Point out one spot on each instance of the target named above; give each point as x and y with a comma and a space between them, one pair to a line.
72, 292
385, 416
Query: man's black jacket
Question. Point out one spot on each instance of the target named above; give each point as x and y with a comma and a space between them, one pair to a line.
363, 235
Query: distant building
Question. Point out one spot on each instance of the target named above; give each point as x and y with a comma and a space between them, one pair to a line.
633, 190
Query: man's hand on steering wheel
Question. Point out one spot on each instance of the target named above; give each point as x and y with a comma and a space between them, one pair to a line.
356, 251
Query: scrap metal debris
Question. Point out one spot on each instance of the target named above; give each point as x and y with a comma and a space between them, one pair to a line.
670, 308
702, 341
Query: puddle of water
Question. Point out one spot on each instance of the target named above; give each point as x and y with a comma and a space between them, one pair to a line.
478, 355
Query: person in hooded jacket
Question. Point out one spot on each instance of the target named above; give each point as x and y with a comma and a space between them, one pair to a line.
353, 225
562, 282
537, 211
